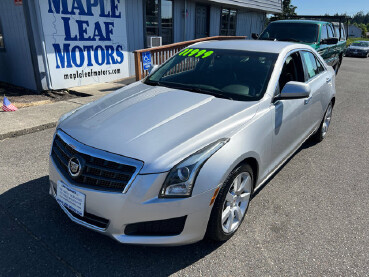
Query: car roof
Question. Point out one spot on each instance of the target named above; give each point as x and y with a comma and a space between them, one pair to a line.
251, 45
305, 21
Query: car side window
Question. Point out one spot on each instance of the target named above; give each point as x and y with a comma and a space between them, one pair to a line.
343, 33
319, 64
330, 31
324, 34
313, 66
292, 71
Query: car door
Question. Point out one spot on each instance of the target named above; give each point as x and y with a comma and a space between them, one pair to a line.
287, 132
324, 47
318, 79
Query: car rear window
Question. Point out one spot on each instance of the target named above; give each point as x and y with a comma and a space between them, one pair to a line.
295, 32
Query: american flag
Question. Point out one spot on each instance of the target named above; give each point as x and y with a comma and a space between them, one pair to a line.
7, 106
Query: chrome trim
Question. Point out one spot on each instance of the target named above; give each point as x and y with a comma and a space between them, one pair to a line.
94, 152
307, 100
81, 222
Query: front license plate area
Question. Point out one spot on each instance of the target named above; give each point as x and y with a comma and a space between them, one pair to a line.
70, 198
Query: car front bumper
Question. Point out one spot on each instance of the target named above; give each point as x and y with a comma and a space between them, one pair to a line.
140, 204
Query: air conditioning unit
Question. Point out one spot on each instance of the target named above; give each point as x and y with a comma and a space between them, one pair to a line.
154, 41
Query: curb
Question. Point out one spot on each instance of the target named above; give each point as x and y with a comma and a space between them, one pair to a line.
28, 131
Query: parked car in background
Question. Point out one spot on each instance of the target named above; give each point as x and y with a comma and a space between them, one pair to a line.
177, 157
320, 35
358, 49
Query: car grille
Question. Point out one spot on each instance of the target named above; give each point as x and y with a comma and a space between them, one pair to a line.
97, 173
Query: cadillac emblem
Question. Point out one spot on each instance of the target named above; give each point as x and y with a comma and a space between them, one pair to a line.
74, 167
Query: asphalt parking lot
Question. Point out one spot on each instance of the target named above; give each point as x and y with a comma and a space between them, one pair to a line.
310, 219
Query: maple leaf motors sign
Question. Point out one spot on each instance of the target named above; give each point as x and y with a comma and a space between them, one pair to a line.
85, 41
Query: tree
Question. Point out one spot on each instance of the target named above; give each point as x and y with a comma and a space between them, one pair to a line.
287, 11
363, 28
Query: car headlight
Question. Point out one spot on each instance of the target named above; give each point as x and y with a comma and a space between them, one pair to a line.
181, 178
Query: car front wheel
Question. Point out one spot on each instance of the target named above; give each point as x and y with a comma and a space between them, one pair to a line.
231, 204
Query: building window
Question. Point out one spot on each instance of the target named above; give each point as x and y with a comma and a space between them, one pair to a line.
228, 22
159, 19
2, 45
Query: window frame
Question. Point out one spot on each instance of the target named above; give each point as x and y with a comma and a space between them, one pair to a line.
160, 33
228, 22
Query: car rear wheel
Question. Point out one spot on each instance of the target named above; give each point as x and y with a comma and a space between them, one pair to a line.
323, 128
231, 204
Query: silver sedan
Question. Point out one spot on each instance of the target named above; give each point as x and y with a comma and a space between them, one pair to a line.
177, 156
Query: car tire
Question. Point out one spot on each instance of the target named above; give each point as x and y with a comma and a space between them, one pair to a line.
221, 226
324, 125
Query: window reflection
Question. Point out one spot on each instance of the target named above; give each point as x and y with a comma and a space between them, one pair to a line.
228, 22
159, 19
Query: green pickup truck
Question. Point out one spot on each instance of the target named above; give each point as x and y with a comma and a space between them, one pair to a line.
328, 39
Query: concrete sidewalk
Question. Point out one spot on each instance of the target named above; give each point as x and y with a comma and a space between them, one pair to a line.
37, 118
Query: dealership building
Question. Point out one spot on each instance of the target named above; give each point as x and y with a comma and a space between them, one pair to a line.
57, 44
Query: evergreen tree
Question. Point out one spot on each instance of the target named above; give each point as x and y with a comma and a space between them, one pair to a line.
287, 10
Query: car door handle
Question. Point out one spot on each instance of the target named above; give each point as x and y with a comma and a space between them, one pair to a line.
329, 79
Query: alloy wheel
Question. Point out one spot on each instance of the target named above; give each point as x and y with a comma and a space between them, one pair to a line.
327, 120
236, 202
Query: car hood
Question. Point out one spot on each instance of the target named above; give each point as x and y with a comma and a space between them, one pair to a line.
157, 125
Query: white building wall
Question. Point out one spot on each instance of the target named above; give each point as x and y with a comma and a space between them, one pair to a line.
354, 31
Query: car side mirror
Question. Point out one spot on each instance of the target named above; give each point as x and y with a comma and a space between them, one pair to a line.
329, 41
255, 36
153, 68
294, 90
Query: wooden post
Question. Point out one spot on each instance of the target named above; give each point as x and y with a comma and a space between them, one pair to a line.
138, 65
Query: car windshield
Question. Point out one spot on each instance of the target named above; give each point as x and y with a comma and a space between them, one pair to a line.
361, 44
297, 32
230, 74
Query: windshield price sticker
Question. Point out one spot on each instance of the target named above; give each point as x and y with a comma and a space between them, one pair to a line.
196, 53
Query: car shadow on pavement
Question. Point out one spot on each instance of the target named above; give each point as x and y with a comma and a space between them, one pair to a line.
76, 248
